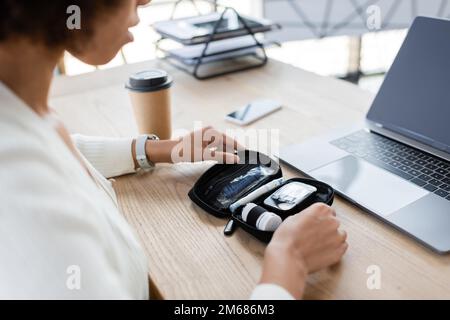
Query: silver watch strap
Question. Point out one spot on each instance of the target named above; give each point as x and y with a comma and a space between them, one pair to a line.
141, 154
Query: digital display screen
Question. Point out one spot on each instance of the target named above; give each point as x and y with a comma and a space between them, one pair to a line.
414, 99
254, 111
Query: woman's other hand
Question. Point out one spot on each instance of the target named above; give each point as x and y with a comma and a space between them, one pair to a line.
200, 145
303, 244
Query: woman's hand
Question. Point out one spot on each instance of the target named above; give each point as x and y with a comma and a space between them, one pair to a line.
201, 145
303, 244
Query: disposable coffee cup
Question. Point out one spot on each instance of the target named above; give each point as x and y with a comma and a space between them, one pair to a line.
150, 98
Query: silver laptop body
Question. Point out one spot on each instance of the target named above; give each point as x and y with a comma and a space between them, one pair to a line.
396, 163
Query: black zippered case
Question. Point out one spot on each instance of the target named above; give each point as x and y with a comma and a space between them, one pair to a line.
218, 182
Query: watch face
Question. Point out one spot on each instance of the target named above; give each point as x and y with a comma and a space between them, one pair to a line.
141, 154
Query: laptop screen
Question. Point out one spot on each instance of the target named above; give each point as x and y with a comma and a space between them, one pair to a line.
414, 99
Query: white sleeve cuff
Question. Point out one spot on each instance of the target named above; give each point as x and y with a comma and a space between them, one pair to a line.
270, 292
112, 157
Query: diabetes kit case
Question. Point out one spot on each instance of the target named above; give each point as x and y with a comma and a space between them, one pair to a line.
223, 184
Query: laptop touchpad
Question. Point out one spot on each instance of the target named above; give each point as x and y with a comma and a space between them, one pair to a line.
375, 189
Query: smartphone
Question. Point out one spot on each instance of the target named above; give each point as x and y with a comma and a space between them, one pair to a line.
253, 111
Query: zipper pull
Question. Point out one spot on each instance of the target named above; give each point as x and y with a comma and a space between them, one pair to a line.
230, 227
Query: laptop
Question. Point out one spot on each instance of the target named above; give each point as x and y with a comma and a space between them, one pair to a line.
396, 163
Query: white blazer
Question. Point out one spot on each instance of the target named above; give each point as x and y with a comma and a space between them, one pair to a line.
61, 233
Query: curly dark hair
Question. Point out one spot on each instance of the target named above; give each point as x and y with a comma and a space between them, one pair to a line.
45, 21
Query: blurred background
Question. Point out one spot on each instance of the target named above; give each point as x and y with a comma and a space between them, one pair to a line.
356, 40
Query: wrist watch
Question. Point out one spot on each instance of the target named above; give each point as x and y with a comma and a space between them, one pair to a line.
141, 154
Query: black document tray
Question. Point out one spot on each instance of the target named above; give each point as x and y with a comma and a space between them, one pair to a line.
206, 189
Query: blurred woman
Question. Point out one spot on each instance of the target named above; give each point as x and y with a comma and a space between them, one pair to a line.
57, 207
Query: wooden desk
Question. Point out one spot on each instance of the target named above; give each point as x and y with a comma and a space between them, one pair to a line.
189, 257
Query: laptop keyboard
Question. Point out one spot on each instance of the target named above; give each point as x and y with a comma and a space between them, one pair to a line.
425, 170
